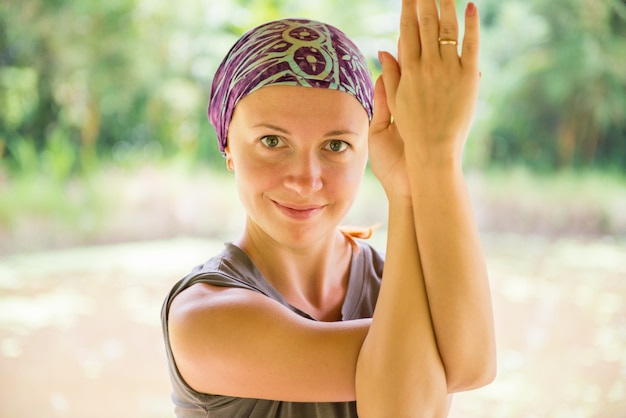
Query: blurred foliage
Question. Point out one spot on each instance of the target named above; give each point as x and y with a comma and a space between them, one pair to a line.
560, 100
126, 81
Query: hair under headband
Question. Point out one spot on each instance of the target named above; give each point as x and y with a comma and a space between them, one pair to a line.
296, 52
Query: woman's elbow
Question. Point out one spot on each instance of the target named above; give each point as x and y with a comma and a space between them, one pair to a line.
474, 375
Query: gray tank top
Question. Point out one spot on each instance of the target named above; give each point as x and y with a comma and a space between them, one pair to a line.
233, 268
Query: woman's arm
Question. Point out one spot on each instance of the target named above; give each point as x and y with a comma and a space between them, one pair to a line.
236, 342
455, 274
399, 371
432, 94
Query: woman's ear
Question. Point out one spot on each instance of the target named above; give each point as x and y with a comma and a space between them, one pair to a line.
229, 160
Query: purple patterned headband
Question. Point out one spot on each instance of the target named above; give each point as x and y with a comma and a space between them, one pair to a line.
295, 52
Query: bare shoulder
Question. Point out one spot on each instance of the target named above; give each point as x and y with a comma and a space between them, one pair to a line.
203, 299
236, 342
220, 309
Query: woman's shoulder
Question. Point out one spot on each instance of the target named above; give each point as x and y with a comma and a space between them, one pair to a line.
231, 267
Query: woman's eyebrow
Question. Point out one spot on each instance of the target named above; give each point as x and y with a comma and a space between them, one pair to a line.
340, 132
273, 127
336, 132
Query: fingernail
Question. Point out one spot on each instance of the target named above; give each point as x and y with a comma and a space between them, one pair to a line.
380, 57
471, 9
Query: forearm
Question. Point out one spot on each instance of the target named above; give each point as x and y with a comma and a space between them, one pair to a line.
399, 372
454, 271
431, 93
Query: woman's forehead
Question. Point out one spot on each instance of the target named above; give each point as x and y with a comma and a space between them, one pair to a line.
284, 105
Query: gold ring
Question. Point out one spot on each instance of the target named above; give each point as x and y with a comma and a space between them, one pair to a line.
447, 42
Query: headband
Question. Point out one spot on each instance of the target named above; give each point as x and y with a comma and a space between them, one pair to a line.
294, 52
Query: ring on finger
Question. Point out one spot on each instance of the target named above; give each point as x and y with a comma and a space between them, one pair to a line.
447, 42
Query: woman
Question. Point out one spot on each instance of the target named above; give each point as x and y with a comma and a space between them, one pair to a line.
281, 323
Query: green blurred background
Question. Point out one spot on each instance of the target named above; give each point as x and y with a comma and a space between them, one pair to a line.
92, 93
111, 187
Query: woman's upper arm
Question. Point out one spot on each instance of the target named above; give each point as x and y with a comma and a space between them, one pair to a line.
237, 342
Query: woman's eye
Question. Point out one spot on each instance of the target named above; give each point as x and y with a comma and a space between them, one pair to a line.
271, 141
336, 145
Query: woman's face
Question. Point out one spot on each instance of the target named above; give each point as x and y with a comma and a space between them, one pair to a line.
298, 154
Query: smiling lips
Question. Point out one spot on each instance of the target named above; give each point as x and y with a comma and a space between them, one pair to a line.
299, 212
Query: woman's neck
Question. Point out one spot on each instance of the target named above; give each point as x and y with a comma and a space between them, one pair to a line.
312, 278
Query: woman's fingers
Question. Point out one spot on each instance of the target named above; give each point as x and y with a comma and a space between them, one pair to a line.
409, 43
382, 115
426, 32
429, 28
431, 92
471, 38
391, 78
448, 30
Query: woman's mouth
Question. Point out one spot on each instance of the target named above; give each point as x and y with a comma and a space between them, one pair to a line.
299, 212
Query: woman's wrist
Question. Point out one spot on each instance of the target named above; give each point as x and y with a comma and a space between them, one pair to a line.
398, 198
441, 156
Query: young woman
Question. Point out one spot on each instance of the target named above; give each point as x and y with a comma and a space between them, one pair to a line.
282, 322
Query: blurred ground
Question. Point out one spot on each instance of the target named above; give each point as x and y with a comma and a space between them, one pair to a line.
80, 333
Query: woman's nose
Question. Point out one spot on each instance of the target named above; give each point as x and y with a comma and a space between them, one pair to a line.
304, 175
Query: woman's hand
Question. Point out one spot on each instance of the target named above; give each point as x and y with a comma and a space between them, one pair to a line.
431, 91
386, 148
